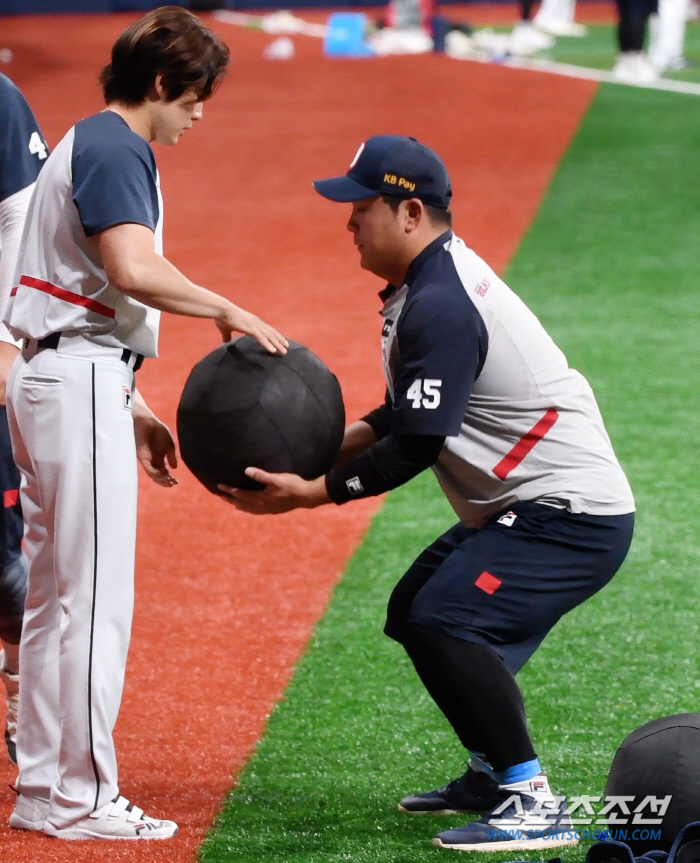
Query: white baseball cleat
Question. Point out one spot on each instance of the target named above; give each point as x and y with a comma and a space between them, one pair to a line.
560, 28
459, 45
11, 682
118, 819
635, 67
29, 813
525, 40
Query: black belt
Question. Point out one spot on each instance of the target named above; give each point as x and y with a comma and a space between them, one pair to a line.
52, 341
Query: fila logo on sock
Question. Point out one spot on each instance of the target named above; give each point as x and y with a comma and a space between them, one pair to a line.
354, 485
507, 519
127, 399
537, 784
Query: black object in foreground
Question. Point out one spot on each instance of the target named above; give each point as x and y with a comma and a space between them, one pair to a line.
659, 760
244, 407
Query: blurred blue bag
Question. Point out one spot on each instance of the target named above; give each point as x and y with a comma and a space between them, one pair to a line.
345, 36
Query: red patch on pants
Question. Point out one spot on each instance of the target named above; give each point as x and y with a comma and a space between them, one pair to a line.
11, 497
488, 583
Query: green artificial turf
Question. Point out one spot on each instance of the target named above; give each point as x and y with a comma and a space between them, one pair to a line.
611, 267
598, 50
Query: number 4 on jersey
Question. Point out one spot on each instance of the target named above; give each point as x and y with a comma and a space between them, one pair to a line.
425, 393
37, 147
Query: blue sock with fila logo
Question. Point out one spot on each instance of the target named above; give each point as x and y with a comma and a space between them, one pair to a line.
526, 778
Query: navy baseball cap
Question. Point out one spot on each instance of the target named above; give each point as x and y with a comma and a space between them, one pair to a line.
391, 165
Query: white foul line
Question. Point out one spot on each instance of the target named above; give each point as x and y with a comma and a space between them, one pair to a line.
588, 74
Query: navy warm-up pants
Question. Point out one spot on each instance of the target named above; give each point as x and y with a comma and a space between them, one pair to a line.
633, 16
476, 604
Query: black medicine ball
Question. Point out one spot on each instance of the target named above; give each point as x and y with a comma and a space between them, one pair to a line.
245, 407
659, 759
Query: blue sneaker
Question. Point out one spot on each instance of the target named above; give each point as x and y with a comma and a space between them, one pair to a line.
519, 822
473, 792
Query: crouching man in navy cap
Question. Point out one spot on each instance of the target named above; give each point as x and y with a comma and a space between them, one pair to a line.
477, 391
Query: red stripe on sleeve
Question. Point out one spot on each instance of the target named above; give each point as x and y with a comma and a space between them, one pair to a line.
68, 296
525, 444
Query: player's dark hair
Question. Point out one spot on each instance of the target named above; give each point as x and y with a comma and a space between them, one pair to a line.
173, 43
437, 215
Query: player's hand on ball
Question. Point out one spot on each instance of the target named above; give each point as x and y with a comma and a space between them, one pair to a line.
240, 321
283, 492
155, 449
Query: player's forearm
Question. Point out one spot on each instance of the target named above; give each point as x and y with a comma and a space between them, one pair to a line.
358, 437
389, 463
139, 408
133, 267
154, 281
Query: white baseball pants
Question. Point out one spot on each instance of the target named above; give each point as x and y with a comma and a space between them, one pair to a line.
555, 11
70, 419
667, 32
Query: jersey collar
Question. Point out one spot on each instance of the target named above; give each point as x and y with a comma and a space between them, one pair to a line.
428, 252
416, 264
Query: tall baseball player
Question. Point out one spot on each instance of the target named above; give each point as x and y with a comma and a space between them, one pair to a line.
23, 152
478, 391
89, 288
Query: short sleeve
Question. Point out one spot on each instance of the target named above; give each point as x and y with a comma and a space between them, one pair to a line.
112, 185
442, 344
23, 149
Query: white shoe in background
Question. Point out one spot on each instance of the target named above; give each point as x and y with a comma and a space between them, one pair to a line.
560, 28
459, 45
495, 45
679, 64
391, 40
526, 40
635, 67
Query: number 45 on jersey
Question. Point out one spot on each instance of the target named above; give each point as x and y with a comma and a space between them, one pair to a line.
425, 393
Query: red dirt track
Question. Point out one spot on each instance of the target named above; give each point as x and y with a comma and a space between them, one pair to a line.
226, 602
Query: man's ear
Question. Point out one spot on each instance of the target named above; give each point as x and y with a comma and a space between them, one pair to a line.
415, 213
158, 86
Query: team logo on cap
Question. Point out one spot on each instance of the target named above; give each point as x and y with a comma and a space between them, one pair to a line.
357, 156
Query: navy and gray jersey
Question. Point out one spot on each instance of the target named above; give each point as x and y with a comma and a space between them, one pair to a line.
465, 358
22, 146
100, 175
23, 152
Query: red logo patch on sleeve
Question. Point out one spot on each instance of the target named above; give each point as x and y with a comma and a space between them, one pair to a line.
488, 583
